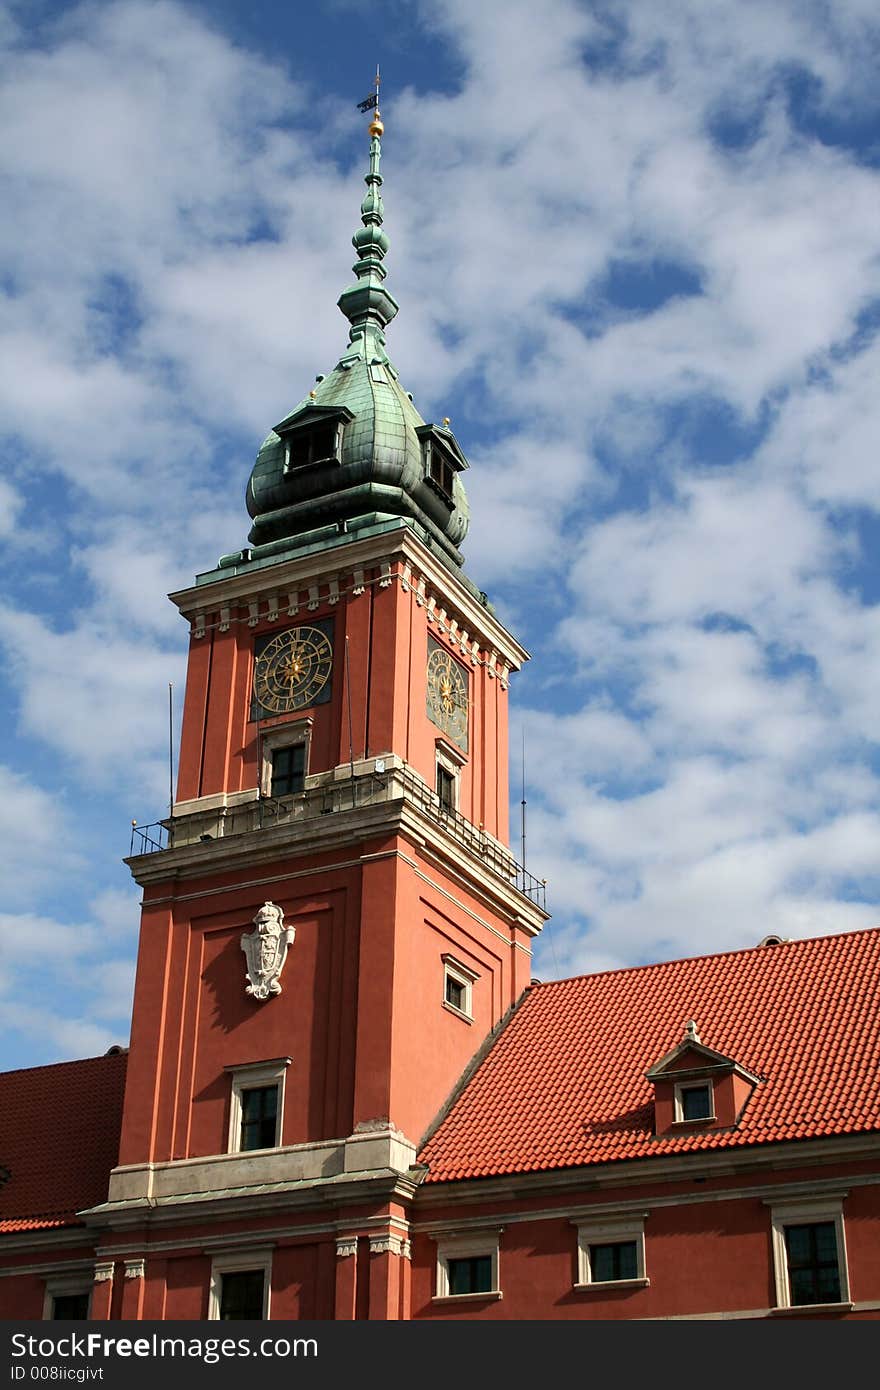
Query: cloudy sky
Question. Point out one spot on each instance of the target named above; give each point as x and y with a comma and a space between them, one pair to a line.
637, 251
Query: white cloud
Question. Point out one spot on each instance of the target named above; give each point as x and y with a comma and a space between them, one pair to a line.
702, 742
108, 713
36, 843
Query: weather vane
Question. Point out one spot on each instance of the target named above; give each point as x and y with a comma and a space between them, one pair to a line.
371, 103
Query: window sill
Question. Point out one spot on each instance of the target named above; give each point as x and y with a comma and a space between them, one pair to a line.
440, 491
466, 1018
805, 1309
600, 1284
466, 1297
704, 1123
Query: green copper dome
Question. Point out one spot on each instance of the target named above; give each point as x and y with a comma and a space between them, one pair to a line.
355, 453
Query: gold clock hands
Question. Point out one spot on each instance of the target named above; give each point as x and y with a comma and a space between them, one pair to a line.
447, 693
291, 669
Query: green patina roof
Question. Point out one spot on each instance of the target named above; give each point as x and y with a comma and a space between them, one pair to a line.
378, 478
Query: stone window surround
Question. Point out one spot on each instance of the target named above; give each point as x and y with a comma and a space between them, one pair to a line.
680, 1088
611, 1231
452, 760
238, 1262
803, 1211
282, 736
463, 975
249, 1076
468, 1246
61, 1285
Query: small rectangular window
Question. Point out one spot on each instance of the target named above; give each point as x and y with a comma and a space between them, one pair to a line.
813, 1264
259, 1117
470, 1274
617, 1260
241, 1295
809, 1251
612, 1252
445, 788
256, 1107
458, 986
468, 1266
456, 993
694, 1102
288, 770
70, 1305
311, 446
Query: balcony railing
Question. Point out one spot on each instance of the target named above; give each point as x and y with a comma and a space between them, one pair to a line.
369, 789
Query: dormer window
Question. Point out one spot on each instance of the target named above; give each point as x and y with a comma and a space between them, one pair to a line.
313, 435
442, 459
440, 470
311, 446
698, 1088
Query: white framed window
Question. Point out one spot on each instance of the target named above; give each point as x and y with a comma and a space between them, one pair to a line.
458, 987
240, 1285
447, 776
467, 1266
68, 1296
694, 1100
284, 758
809, 1252
257, 1105
612, 1253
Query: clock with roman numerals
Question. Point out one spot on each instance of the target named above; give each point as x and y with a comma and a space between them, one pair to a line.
292, 670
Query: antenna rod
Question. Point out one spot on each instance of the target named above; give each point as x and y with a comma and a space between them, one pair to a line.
523, 802
170, 750
348, 702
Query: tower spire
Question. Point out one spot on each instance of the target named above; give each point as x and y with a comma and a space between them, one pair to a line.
367, 304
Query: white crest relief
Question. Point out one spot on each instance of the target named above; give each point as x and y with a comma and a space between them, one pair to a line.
265, 950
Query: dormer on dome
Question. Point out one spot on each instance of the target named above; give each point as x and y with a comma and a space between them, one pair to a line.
696, 1088
387, 466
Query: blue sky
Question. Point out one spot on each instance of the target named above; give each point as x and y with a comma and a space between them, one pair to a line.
637, 253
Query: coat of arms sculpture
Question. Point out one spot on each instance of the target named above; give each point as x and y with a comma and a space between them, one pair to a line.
265, 950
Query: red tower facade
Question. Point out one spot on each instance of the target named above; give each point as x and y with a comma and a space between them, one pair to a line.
334, 922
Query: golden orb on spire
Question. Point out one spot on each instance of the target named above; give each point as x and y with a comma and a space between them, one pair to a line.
376, 126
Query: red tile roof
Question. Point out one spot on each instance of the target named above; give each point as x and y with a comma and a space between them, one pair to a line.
564, 1083
59, 1138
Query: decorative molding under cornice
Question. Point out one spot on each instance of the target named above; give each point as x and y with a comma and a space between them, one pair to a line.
678, 1168
293, 586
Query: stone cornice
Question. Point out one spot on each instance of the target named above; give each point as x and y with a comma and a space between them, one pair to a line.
320, 1194
681, 1168
301, 586
321, 834
52, 1239
773, 1194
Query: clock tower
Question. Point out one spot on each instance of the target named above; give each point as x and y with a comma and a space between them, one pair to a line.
333, 922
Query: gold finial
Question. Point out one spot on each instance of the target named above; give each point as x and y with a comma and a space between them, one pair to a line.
446, 422
313, 393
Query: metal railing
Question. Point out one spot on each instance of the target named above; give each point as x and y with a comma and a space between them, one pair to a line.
369, 789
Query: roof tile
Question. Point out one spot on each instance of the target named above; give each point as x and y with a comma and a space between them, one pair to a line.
564, 1084
59, 1139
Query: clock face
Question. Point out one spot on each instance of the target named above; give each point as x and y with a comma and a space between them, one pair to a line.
292, 670
448, 696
